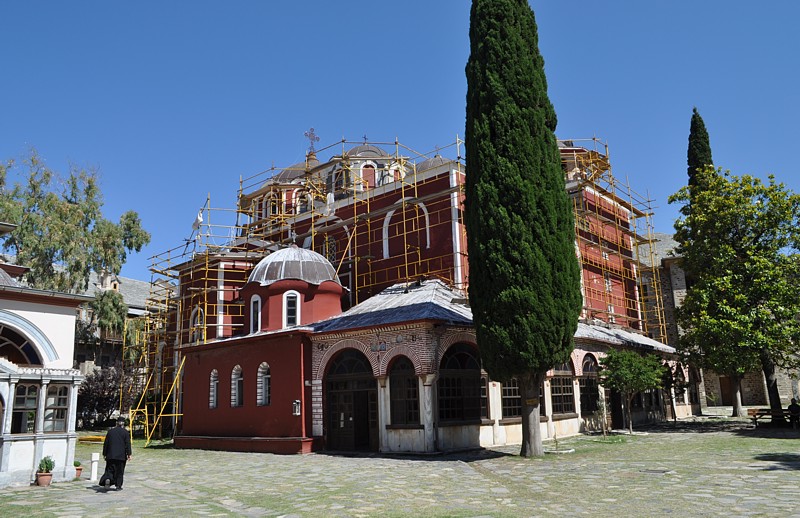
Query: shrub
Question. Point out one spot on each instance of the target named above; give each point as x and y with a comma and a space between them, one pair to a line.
47, 464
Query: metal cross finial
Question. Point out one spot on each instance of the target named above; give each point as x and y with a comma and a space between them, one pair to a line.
365, 138
312, 137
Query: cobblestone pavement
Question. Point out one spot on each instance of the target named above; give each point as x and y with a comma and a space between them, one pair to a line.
711, 468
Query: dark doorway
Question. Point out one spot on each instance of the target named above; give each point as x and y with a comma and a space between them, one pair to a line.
352, 404
726, 389
617, 415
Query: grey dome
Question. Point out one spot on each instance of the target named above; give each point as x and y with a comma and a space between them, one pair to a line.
367, 151
432, 162
293, 263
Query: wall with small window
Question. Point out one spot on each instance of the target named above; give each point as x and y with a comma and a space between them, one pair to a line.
290, 303
249, 390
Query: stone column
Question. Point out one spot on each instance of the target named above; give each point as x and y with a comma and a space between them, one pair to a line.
384, 412
12, 393
40, 407
427, 410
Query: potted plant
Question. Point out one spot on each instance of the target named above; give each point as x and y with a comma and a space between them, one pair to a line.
45, 473
78, 468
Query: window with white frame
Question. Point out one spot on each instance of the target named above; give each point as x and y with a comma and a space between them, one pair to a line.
263, 385
56, 406
562, 392
291, 309
237, 387
213, 386
26, 400
255, 314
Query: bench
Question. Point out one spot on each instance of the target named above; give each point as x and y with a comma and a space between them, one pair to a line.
760, 413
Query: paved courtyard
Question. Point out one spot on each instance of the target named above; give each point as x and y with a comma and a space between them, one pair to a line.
712, 467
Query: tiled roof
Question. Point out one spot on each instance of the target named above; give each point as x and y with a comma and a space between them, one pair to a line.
620, 337
425, 300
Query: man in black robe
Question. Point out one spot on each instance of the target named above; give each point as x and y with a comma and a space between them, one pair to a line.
117, 452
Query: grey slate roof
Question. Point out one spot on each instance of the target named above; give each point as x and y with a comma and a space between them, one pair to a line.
664, 246
426, 300
620, 337
7, 280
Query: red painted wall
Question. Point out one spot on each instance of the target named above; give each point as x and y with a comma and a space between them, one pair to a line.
316, 302
288, 356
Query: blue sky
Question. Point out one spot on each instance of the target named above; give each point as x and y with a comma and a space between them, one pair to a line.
173, 101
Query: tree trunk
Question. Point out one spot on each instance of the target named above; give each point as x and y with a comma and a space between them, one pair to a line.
768, 366
738, 409
531, 430
628, 402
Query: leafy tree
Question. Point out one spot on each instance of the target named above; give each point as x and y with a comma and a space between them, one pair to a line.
525, 279
699, 153
61, 233
740, 241
102, 392
109, 311
629, 372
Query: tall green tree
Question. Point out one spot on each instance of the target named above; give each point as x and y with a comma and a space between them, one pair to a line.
699, 152
61, 233
740, 240
629, 372
524, 275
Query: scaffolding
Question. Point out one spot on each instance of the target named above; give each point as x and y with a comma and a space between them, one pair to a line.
614, 236
382, 213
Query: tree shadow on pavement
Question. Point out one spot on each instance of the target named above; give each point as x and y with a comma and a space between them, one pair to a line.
471, 455
785, 461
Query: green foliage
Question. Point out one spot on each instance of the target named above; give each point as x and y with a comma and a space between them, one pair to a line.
739, 244
699, 152
524, 276
629, 372
61, 234
109, 311
76, 463
46, 465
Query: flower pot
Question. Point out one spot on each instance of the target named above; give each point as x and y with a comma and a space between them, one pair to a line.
78, 471
44, 479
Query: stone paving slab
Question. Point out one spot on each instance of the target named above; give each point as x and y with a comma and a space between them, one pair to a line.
709, 468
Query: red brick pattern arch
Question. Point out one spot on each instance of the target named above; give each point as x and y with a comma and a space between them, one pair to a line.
402, 350
449, 340
347, 344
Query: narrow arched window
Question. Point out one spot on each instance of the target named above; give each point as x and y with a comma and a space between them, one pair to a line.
404, 392
291, 309
590, 391
213, 384
459, 384
197, 323
23, 417
255, 314
237, 387
263, 396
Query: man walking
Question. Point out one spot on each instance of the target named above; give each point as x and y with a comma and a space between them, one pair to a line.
116, 451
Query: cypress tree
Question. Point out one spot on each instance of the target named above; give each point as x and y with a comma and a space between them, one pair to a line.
524, 275
699, 154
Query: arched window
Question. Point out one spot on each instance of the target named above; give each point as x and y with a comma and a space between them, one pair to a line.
367, 177
562, 392
26, 400
197, 323
590, 393
56, 406
404, 391
213, 385
237, 387
273, 204
291, 309
255, 314
263, 385
459, 384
